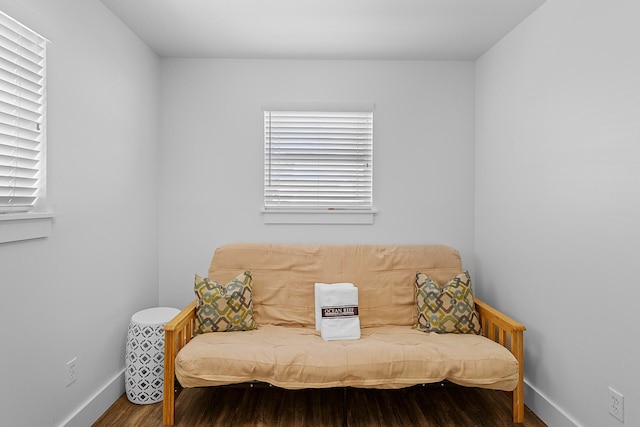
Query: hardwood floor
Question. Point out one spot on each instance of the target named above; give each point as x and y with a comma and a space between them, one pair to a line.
442, 406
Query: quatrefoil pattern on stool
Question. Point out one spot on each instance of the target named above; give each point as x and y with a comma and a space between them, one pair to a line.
144, 360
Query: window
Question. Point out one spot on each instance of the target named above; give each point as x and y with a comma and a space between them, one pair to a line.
22, 117
318, 160
23, 213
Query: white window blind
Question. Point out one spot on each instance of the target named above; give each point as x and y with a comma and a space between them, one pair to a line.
318, 160
22, 102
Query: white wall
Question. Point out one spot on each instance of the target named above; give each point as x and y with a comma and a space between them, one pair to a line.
72, 294
212, 155
558, 202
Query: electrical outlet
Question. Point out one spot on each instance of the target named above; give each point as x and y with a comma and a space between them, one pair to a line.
616, 404
71, 371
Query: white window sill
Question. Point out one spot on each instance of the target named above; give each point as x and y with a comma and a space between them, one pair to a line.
286, 216
15, 227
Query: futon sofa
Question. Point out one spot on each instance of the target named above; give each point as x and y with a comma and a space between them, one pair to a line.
280, 345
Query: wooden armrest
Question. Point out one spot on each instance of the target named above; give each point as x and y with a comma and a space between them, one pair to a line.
181, 319
497, 317
177, 333
507, 332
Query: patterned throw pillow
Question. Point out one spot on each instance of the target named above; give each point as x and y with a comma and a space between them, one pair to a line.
446, 309
224, 308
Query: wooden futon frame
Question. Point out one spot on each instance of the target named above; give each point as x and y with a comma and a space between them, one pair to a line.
495, 326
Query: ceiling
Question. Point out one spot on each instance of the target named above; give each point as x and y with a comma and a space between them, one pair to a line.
322, 29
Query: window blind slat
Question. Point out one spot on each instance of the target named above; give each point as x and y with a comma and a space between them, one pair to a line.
16, 141
318, 160
15, 191
17, 110
344, 175
20, 133
23, 74
19, 162
17, 172
6, 181
29, 51
12, 150
13, 30
12, 84
17, 202
19, 122
17, 57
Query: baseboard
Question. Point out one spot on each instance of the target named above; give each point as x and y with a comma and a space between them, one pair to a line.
545, 409
97, 404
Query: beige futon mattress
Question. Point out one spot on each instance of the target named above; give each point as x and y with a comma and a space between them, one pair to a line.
384, 357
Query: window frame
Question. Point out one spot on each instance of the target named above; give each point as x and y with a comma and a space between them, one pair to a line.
33, 221
361, 210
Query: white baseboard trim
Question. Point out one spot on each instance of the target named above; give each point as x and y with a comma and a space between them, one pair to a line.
97, 404
545, 409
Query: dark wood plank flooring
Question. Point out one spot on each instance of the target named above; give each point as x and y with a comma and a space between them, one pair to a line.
442, 406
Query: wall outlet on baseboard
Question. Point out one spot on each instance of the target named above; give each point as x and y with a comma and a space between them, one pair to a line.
71, 371
616, 404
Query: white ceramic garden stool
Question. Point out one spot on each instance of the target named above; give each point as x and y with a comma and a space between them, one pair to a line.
144, 355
